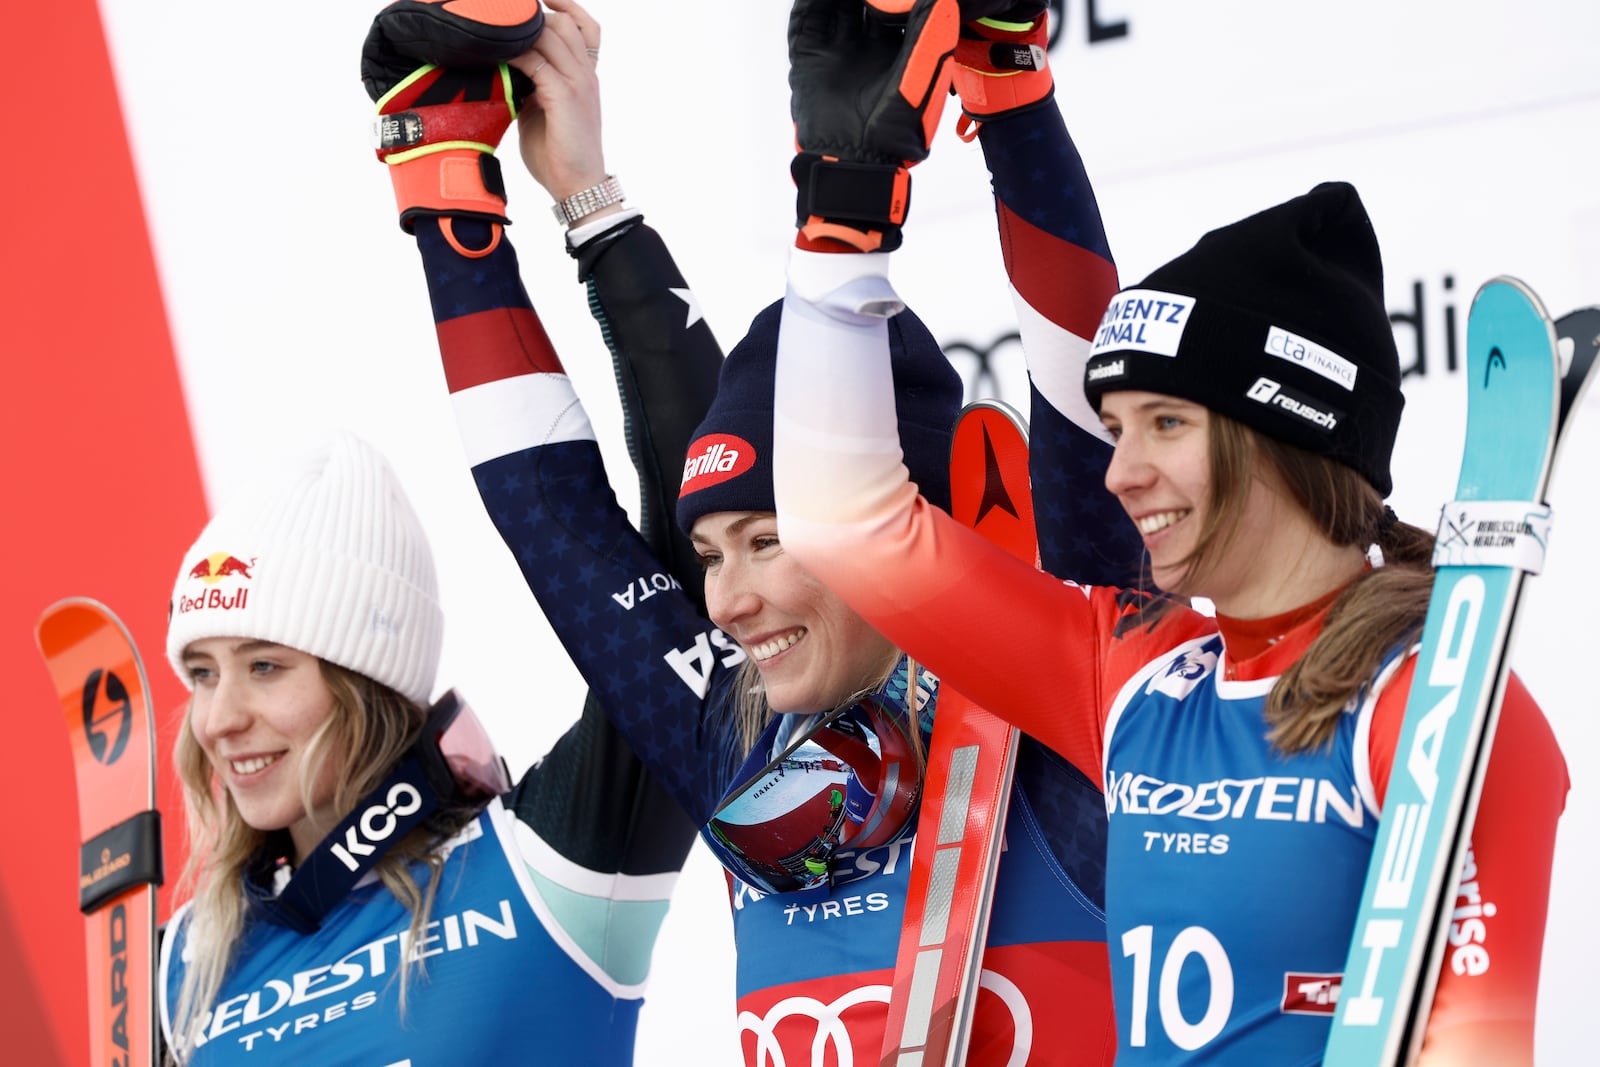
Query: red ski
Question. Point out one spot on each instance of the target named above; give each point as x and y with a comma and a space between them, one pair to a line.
101, 685
961, 829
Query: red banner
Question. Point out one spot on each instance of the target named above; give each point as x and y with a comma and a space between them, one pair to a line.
101, 485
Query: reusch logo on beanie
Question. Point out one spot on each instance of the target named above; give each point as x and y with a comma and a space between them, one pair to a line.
1276, 321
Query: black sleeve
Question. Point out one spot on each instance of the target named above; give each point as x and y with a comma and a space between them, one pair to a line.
666, 363
591, 798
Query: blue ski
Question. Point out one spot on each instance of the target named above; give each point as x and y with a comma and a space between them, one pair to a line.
1490, 537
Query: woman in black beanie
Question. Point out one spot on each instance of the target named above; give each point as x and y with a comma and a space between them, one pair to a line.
1253, 391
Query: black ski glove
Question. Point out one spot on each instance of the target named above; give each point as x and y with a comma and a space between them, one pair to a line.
868, 82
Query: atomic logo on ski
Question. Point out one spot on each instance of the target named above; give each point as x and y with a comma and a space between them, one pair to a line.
106, 742
994, 485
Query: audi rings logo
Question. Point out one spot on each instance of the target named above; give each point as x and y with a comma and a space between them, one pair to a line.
833, 1034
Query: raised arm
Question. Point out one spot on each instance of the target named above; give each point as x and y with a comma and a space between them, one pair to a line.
623, 616
663, 354
1059, 266
984, 622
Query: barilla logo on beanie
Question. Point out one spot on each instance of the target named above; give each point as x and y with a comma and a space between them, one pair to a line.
1145, 320
217, 582
714, 459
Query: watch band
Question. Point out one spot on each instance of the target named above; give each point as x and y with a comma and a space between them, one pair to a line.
586, 202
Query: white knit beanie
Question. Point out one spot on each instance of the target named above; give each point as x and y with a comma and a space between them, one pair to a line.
332, 562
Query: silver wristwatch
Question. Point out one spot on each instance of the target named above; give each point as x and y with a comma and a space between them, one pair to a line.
586, 202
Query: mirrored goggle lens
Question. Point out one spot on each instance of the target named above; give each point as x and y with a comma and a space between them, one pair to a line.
479, 771
851, 781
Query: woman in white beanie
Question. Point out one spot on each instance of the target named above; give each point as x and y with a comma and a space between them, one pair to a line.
366, 878
339, 916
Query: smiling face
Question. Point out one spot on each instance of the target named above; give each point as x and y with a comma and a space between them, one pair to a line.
1162, 473
812, 650
255, 709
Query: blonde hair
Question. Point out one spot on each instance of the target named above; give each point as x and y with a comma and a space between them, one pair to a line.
368, 732
1383, 609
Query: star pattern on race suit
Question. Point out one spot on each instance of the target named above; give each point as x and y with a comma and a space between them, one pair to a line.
579, 554
687, 296
1071, 815
1083, 532
1039, 175
577, 550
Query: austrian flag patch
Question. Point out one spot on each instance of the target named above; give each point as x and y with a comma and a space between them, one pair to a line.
1310, 994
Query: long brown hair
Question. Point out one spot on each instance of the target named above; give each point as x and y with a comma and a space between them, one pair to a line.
1381, 610
369, 730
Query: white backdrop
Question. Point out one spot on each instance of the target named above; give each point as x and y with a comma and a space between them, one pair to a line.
297, 306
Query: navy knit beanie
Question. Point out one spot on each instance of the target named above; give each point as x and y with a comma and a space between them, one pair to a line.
729, 465
1277, 321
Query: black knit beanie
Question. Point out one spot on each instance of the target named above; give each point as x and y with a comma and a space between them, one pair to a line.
1277, 321
729, 465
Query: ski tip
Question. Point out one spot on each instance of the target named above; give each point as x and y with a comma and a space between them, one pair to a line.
69, 615
1502, 284
1578, 334
1578, 342
989, 408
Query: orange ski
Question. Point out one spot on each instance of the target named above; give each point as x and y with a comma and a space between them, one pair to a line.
971, 762
101, 685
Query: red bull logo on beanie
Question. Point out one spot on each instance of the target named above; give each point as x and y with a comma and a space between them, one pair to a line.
211, 571
713, 459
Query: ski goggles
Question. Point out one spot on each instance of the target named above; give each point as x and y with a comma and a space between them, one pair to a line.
850, 781
473, 771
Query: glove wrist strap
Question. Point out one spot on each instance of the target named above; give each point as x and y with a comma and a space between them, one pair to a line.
860, 204
453, 183
1001, 69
